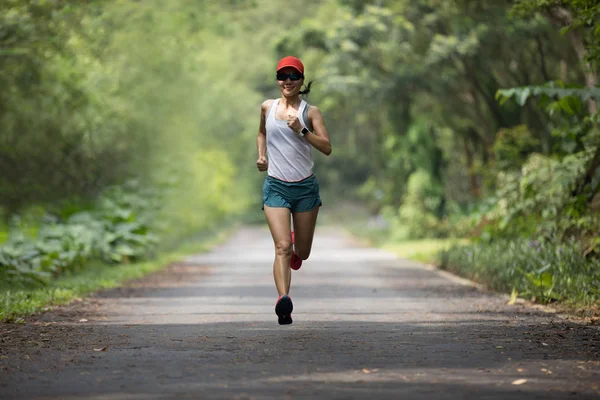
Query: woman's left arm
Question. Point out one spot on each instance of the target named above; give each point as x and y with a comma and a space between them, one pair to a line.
319, 138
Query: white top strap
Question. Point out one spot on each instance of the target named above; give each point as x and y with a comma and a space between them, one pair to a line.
273, 108
303, 105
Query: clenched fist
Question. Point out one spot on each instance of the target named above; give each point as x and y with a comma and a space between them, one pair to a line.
293, 122
262, 164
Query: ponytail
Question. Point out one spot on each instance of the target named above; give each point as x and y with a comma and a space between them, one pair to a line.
306, 90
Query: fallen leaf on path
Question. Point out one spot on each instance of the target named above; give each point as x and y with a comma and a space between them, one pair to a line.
101, 349
545, 344
520, 370
519, 381
83, 320
368, 371
499, 347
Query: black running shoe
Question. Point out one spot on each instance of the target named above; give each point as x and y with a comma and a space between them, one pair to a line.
283, 309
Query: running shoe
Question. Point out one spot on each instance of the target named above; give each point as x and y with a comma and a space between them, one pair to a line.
283, 309
295, 262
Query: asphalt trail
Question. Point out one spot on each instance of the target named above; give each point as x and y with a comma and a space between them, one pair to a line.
366, 325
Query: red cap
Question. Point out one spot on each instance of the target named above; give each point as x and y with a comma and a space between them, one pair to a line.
291, 61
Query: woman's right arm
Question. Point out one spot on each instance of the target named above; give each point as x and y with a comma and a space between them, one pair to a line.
261, 140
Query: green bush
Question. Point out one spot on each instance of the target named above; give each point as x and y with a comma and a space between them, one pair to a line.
119, 230
418, 217
538, 201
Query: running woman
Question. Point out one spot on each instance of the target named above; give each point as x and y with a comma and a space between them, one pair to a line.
289, 129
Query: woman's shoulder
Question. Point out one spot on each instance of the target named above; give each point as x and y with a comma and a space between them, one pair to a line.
312, 109
267, 104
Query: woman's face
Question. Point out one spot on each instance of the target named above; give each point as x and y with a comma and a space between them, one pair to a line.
288, 86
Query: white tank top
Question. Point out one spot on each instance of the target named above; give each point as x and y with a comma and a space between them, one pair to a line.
290, 157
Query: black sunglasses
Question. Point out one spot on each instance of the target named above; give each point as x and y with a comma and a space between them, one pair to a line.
294, 76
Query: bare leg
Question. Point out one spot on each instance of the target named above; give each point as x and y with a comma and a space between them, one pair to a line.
304, 231
280, 226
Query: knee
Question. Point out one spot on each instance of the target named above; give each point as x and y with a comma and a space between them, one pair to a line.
283, 248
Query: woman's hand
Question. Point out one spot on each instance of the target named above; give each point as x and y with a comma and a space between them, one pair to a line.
293, 121
262, 164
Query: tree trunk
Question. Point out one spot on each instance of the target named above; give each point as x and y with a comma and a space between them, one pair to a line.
563, 70
540, 47
588, 178
562, 16
473, 182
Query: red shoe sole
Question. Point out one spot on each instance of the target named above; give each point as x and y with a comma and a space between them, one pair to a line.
295, 262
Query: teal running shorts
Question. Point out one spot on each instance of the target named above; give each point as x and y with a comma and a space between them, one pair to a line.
297, 196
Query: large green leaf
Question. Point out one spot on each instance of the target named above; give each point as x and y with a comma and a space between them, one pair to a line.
522, 94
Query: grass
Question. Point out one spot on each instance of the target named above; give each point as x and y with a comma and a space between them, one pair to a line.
357, 220
539, 272
422, 250
19, 303
546, 271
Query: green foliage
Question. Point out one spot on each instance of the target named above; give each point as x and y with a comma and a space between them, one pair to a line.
581, 17
537, 201
545, 270
422, 250
568, 101
521, 94
103, 92
207, 193
57, 135
513, 146
419, 215
119, 230
16, 303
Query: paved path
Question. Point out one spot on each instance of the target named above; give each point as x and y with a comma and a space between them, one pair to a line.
366, 325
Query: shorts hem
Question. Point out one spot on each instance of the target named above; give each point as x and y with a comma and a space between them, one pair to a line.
272, 206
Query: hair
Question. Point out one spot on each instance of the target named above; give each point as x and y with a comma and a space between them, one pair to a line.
306, 90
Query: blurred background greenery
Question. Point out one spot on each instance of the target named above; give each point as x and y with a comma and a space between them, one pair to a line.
128, 128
